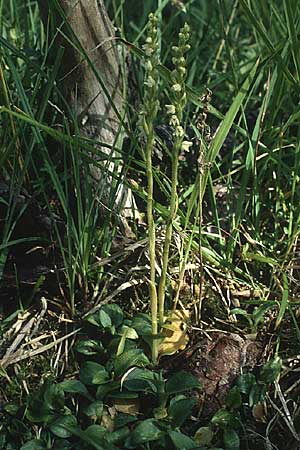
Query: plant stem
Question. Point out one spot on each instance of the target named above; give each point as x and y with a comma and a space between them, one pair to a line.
151, 230
172, 214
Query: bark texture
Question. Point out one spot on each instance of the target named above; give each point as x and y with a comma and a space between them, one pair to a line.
91, 27
84, 30
97, 107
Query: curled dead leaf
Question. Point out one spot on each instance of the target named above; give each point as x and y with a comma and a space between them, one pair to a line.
175, 332
127, 405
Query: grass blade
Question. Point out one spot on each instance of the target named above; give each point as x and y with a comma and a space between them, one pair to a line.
284, 301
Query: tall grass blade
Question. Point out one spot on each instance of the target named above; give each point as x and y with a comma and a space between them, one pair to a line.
226, 125
284, 301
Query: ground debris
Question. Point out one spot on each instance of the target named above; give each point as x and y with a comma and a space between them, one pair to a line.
217, 359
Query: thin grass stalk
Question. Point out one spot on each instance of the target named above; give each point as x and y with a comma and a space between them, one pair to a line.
200, 217
183, 264
5, 93
168, 237
204, 136
152, 240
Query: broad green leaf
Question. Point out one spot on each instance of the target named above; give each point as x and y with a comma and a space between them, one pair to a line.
96, 431
11, 408
182, 382
225, 419
129, 332
105, 389
95, 436
181, 441
109, 317
89, 347
65, 426
133, 357
143, 380
94, 410
41, 410
126, 333
54, 397
115, 313
93, 319
118, 435
231, 439
123, 419
204, 436
234, 398
38, 412
34, 444
93, 373
257, 394
104, 319
245, 382
145, 431
2, 441
63, 444
142, 324
180, 410
75, 387
123, 395
271, 370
